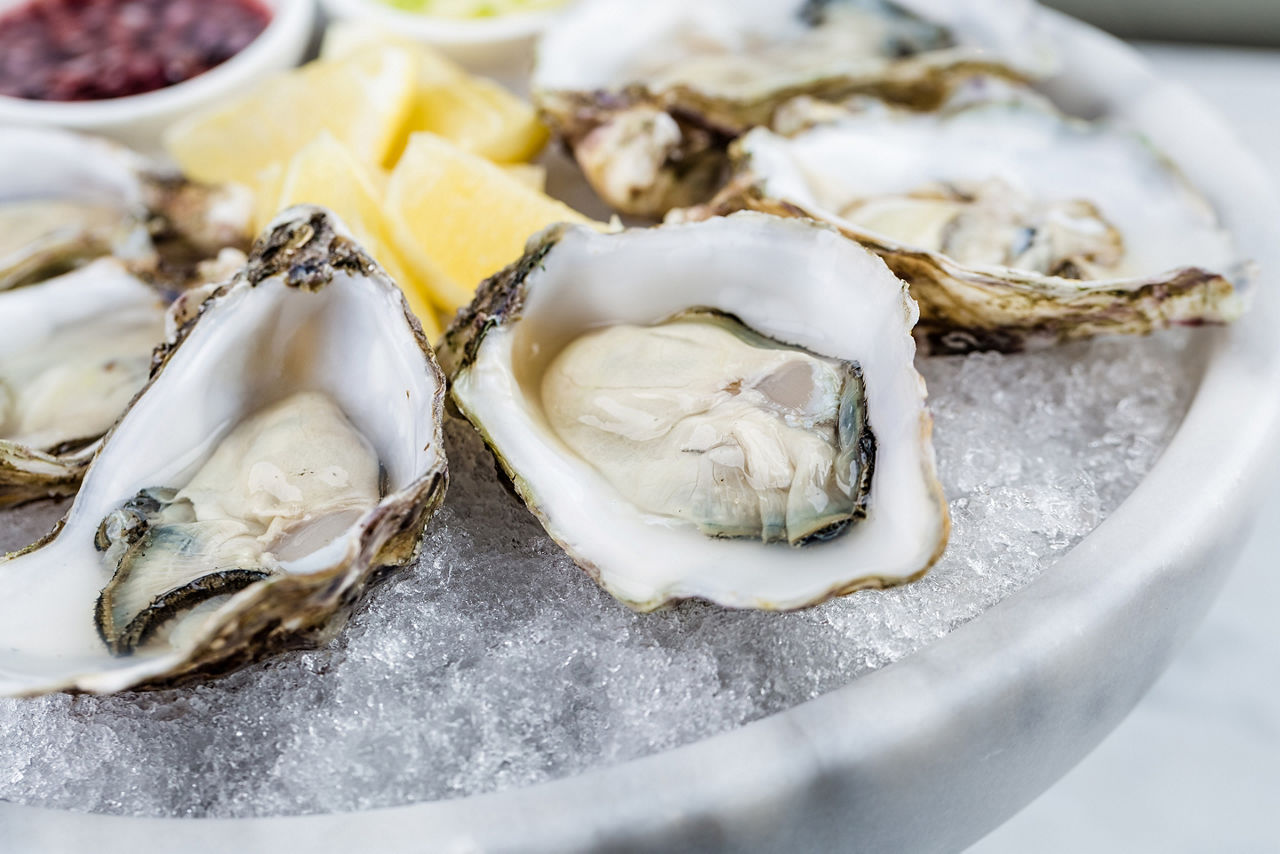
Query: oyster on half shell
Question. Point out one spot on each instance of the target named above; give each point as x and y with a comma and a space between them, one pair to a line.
73, 352
66, 199
698, 411
1014, 225
648, 96
287, 447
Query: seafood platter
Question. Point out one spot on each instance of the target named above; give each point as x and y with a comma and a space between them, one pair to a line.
778, 387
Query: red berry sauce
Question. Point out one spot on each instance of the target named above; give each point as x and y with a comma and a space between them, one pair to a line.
86, 50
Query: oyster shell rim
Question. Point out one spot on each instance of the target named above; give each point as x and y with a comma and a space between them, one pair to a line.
172, 223
1124, 306
707, 123
966, 308
500, 302
30, 473
305, 248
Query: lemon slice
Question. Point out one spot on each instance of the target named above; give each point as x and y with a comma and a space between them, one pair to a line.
476, 115
473, 113
532, 175
457, 218
363, 100
266, 186
325, 173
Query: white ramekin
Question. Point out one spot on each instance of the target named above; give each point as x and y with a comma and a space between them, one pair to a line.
139, 120
496, 45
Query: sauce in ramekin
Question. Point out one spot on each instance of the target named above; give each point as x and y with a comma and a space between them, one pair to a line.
88, 50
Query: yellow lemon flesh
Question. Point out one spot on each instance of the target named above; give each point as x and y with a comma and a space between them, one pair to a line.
325, 173
363, 100
473, 113
460, 218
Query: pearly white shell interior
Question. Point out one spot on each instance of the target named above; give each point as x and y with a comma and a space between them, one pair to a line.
253, 346
38, 163
588, 50
33, 313
1050, 159
789, 280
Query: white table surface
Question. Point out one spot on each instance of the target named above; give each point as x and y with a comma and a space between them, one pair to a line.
1196, 766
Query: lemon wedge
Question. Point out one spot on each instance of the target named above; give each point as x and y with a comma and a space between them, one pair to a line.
474, 113
532, 175
457, 218
266, 187
478, 116
364, 100
325, 173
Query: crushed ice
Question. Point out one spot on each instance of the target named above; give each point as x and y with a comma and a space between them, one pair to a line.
496, 663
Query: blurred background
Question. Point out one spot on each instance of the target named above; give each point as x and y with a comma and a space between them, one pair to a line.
1243, 22
1196, 767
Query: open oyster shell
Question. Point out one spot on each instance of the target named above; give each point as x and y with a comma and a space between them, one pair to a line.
66, 199
1016, 227
310, 315
648, 97
73, 352
701, 418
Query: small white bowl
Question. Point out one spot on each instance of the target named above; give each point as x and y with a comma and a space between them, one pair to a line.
139, 120
497, 45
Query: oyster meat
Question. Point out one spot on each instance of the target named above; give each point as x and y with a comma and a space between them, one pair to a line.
66, 199
695, 411
286, 448
649, 107
701, 419
990, 223
1015, 226
287, 481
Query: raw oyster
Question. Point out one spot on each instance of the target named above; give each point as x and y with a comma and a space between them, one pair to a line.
287, 447
1015, 226
649, 98
679, 404
66, 199
73, 352
285, 482
782, 452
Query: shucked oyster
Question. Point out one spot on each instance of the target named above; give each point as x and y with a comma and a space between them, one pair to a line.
701, 419
73, 352
1015, 226
287, 446
76, 334
284, 483
66, 199
648, 97
701, 411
